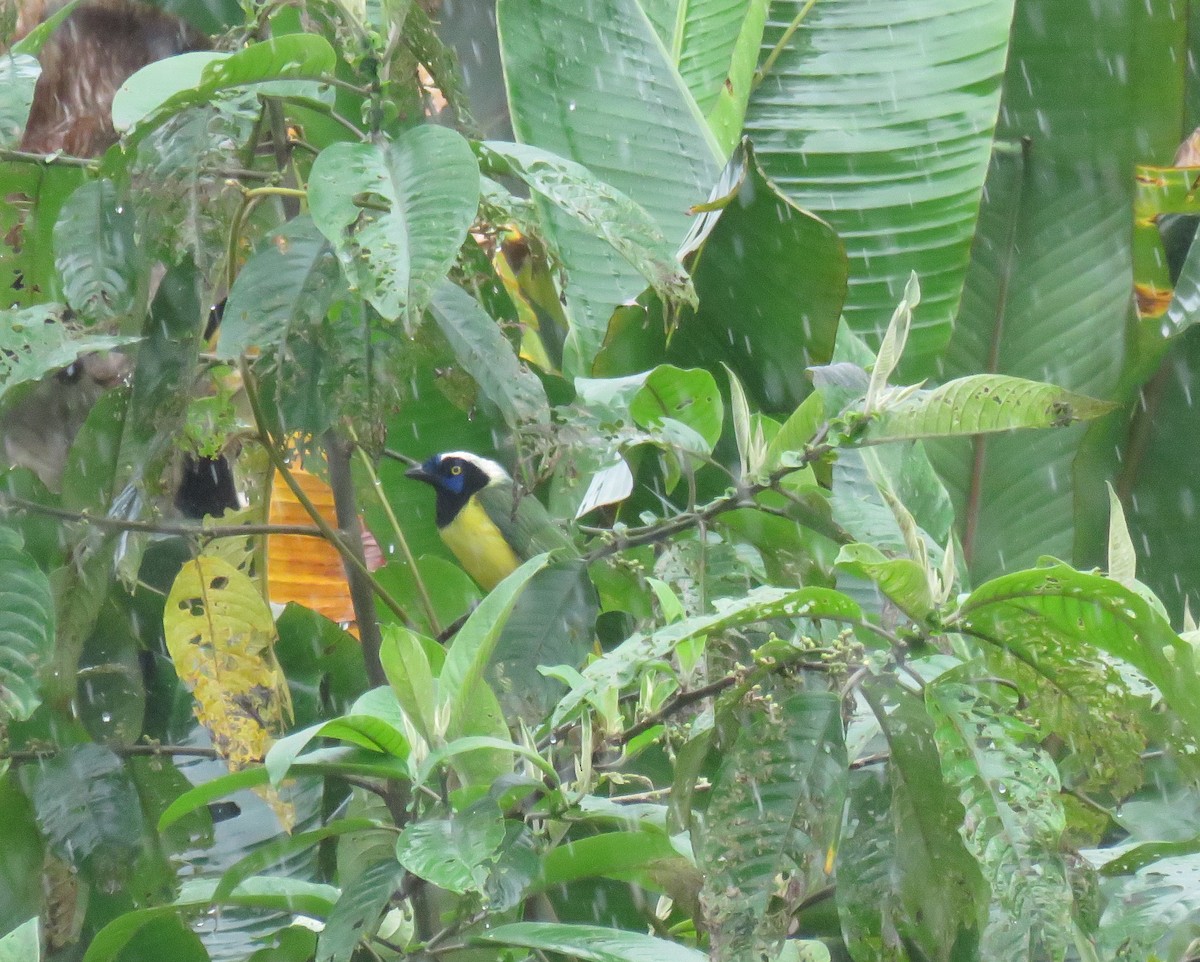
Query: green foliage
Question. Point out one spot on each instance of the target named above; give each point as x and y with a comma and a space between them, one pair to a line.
795, 677
26, 629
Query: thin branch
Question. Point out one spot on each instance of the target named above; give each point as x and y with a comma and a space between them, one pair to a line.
676, 704
761, 73
742, 497
869, 760
454, 928
402, 458
398, 532
454, 627
853, 681
683, 699
200, 531
49, 160
338, 82
654, 794
124, 751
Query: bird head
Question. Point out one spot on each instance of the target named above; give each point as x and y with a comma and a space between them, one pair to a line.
458, 473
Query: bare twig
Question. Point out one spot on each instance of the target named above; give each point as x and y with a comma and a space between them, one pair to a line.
204, 532
124, 751
49, 160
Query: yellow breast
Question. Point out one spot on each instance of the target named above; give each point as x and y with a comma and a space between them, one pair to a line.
479, 546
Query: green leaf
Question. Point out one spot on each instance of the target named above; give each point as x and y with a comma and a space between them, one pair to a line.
896, 166
1160, 900
366, 731
1014, 820
866, 896
164, 88
940, 897
357, 912
740, 409
261, 892
485, 354
1158, 485
279, 850
768, 324
98, 252
396, 213
567, 68
709, 37
454, 853
471, 650
26, 629
22, 857
330, 761
588, 943
773, 823
451, 589
602, 209
1063, 609
891, 348
47, 188
620, 667
284, 290
903, 580
18, 74
1122, 559
22, 944
159, 83
201, 795
609, 855
861, 506
1184, 309
1050, 267
981, 404
797, 432
408, 672
552, 623
476, 743
84, 800
690, 397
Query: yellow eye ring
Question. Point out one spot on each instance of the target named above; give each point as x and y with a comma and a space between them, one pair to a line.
456, 469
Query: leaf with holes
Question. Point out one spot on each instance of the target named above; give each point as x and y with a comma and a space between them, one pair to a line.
220, 634
981, 404
772, 823
397, 213
1061, 609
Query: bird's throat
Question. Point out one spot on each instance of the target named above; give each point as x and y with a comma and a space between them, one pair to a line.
478, 544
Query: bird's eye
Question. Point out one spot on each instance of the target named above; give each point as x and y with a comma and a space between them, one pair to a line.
456, 469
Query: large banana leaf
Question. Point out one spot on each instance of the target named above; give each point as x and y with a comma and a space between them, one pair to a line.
879, 117
568, 66
1048, 295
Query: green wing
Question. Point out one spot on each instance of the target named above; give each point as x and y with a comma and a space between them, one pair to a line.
525, 523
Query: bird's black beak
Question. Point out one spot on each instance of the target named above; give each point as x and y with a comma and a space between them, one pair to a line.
419, 474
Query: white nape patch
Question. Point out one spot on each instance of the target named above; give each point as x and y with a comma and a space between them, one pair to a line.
493, 470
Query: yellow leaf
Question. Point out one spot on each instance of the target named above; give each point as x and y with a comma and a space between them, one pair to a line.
220, 634
302, 569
